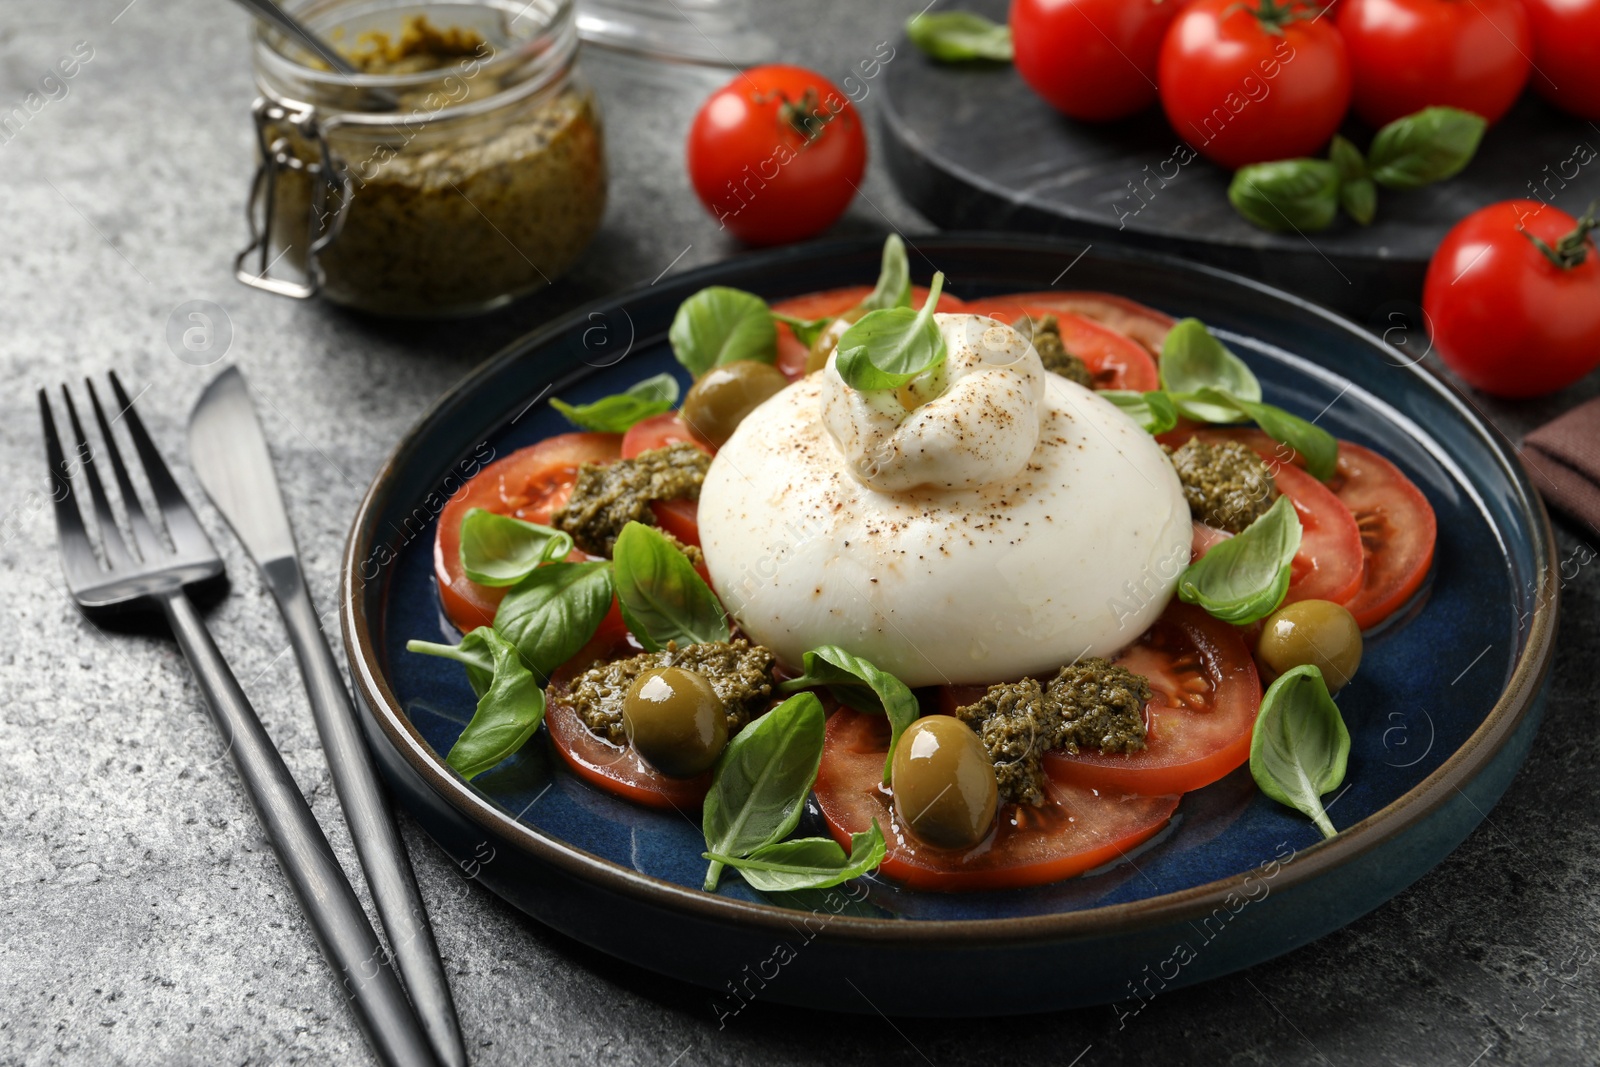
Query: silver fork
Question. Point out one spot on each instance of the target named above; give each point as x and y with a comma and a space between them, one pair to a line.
149, 570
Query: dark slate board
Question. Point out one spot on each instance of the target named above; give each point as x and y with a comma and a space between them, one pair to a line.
973, 148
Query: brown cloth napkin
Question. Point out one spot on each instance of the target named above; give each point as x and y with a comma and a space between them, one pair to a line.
1565, 457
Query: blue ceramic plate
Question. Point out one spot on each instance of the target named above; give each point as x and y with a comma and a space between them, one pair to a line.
1441, 714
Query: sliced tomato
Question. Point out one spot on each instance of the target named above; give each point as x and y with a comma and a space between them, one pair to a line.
659, 431
1329, 565
1143, 324
1076, 830
529, 484
1398, 531
1199, 718
829, 303
1115, 361
1205, 537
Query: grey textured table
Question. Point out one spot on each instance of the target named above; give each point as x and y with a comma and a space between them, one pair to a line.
142, 918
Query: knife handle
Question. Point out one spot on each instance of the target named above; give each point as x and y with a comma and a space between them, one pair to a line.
325, 895
371, 820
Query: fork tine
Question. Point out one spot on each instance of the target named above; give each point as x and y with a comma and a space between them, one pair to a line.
188, 536
118, 554
77, 552
145, 534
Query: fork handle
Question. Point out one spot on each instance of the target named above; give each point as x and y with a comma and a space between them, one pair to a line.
341, 927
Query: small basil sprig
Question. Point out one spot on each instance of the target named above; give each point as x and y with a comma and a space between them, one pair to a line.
663, 598
1300, 746
957, 36
1305, 194
510, 702
893, 290
1318, 447
722, 325
619, 412
1154, 410
1246, 577
808, 862
854, 681
761, 780
1191, 360
553, 612
499, 550
885, 349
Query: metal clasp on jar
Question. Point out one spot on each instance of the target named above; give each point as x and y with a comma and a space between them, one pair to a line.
330, 191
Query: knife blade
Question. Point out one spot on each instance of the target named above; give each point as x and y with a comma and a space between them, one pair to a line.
229, 454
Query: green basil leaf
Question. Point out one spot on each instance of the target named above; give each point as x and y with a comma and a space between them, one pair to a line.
957, 36
1245, 577
1346, 159
473, 653
886, 349
808, 862
1192, 360
509, 710
553, 612
1287, 195
1300, 746
1154, 411
894, 278
663, 597
761, 780
806, 331
1359, 198
1434, 144
854, 681
721, 325
619, 412
499, 550
1319, 448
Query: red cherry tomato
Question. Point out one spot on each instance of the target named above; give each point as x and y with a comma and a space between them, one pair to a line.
1503, 314
1114, 361
830, 303
1076, 830
1566, 53
1091, 59
776, 154
530, 484
1245, 81
1406, 55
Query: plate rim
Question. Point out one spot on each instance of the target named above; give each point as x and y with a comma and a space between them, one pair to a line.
1515, 702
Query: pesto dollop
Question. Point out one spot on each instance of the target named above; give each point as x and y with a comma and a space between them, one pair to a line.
741, 674
1090, 704
1226, 483
1045, 333
607, 497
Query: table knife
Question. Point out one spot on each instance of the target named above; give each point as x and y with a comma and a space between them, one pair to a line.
228, 452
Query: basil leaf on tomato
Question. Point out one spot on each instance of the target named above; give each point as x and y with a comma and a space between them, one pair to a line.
1299, 195
959, 36
1246, 577
1317, 446
619, 412
1154, 410
761, 780
808, 862
1434, 144
856, 682
510, 702
553, 612
1192, 359
663, 598
500, 550
1301, 746
894, 278
885, 349
721, 325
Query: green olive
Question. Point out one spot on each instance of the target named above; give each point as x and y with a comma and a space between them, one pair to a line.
675, 720
828, 339
724, 395
1318, 632
944, 785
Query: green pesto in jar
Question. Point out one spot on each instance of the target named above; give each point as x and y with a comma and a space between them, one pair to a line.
606, 497
1045, 333
1090, 704
1226, 484
739, 672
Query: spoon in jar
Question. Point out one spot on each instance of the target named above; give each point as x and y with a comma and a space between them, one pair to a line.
269, 12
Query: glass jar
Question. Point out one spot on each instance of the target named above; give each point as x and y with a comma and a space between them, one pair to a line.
462, 168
